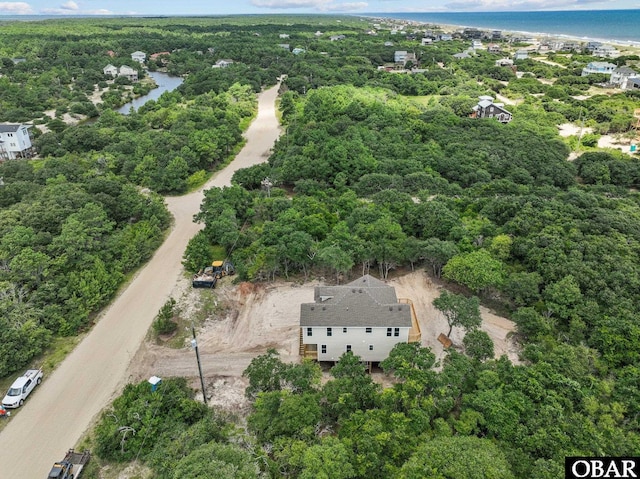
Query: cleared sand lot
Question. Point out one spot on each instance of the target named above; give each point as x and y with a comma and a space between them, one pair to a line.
266, 315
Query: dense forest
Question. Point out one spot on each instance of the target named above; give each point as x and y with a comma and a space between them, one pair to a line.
376, 171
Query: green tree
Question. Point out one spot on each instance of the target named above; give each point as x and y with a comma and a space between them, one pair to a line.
459, 311
216, 461
478, 345
457, 458
477, 270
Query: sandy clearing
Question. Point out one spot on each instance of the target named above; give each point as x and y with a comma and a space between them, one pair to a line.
263, 316
59, 413
605, 141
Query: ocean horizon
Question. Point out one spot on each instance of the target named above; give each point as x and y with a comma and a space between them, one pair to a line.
611, 26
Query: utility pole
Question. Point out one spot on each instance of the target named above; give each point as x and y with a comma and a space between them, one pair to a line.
194, 344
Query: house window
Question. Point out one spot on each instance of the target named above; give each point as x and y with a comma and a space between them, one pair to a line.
388, 331
344, 330
368, 330
371, 347
309, 331
323, 349
348, 347
396, 331
329, 332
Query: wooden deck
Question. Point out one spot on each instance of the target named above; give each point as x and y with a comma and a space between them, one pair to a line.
308, 351
415, 335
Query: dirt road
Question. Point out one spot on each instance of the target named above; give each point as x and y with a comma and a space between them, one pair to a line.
59, 411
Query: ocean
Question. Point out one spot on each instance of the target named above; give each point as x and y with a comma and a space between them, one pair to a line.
614, 26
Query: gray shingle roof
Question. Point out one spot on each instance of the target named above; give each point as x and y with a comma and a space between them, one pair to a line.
9, 128
624, 70
364, 302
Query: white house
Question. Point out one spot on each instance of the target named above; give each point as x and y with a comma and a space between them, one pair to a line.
504, 62
364, 317
283, 35
400, 56
476, 44
128, 72
598, 67
139, 57
15, 142
223, 63
123, 71
298, 51
110, 70
620, 76
486, 108
521, 55
605, 51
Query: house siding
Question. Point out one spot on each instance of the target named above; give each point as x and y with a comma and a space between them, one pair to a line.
15, 142
359, 340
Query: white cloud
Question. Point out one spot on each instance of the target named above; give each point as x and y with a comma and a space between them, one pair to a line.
320, 5
16, 8
517, 5
70, 5
347, 7
317, 4
72, 8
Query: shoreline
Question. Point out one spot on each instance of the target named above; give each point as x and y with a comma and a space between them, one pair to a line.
450, 28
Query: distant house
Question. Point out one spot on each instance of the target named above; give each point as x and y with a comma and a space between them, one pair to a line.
598, 67
364, 317
128, 72
139, 57
472, 33
318, 33
285, 46
570, 46
591, 46
426, 41
283, 35
445, 37
15, 142
298, 51
504, 62
111, 53
402, 57
110, 70
476, 44
123, 71
521, 55
18, 60
605, 51
493, 48
223, 63
335, 38
462, 55
388, 44
486, 108
621, 75
633, 83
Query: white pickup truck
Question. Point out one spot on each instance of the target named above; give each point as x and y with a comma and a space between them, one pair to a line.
21, 388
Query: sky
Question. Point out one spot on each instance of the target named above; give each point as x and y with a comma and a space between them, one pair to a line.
225, 7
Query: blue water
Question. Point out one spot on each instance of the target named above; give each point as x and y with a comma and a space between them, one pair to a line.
619, 26
165, 83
